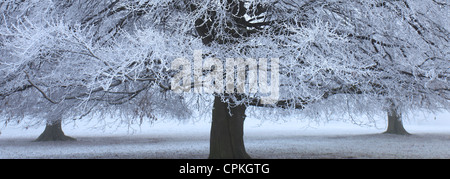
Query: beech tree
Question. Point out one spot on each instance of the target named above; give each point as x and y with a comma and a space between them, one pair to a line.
61, 64
85, 57
409, 46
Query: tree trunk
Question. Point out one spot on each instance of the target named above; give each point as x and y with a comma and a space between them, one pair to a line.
227, 132
395, 124
54, 132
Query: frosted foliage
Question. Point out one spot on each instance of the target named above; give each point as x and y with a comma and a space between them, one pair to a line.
58, 68
74, 59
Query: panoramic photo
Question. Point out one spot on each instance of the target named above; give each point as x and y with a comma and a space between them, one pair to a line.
224, 79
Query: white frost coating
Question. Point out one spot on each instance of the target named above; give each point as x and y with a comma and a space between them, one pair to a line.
84, 58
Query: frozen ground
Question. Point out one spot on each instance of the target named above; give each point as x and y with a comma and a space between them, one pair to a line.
294, 139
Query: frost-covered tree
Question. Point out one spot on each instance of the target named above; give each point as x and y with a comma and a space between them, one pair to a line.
108, 56
373, 51
408, 43
61, 63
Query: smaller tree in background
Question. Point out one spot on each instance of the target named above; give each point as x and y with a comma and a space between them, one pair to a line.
61, 64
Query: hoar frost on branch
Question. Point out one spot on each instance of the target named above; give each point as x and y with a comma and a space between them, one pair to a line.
66, 63
352, 54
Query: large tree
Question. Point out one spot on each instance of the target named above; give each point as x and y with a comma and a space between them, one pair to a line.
93, 57
409, 44
61, 63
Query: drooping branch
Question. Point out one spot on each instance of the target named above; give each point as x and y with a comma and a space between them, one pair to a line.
40, 91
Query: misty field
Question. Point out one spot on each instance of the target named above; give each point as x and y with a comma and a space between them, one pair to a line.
263, 139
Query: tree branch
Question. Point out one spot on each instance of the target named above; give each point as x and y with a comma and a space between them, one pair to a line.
40, 91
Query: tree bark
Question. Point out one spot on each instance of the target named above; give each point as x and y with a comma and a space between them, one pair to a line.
395, 124
227, 131
53, 132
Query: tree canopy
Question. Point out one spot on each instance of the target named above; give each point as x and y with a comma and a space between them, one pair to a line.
74, 58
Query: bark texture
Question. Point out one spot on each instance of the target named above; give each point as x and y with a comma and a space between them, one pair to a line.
395, 124
53, 132
227, 131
